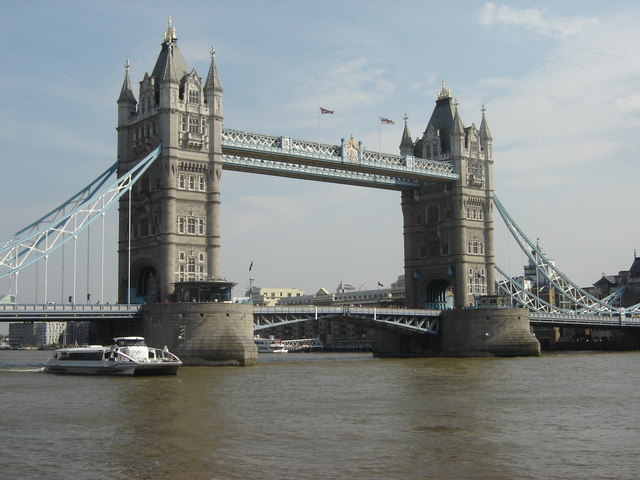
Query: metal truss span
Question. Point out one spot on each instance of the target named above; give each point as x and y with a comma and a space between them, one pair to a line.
60, 226
399, 319
580, 301
348, 163
10, 312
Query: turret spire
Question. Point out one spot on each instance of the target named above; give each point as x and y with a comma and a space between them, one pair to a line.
458, 126
485, 134
406, 144
213, 80
126, 93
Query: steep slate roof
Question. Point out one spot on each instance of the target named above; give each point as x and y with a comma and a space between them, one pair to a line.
442, 120
634, 271
170, 57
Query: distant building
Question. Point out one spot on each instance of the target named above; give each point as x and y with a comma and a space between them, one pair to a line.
269, 297
22, 334
334, 334
627, 280
348, 294
49, 333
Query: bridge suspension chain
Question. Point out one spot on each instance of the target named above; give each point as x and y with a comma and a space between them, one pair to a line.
56, 228
585, 302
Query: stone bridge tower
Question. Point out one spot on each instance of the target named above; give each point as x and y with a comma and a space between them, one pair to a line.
448, 227
172, 234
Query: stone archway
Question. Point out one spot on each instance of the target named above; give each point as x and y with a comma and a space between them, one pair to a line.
147, 286
439, 295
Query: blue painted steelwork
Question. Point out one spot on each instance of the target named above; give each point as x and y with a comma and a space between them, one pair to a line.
348, 163
59, 226
581, 301
404, 319
67, 312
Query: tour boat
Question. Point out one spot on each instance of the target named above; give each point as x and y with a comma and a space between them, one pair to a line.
127, 356
270, 345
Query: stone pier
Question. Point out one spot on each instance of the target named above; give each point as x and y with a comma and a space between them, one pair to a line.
202, 333
482, 332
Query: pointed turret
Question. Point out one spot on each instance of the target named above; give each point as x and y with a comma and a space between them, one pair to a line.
485, 134
486, 140
406, 144
457, 133
127, 100
213, 80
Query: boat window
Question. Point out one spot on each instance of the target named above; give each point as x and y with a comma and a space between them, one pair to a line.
130, 342
82, 356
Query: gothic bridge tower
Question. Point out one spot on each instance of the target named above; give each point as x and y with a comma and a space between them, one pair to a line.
173, 232
448, 227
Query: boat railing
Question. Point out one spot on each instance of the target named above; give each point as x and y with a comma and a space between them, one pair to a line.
164, 355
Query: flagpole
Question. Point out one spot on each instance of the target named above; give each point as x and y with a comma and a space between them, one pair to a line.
379, 133
319, 125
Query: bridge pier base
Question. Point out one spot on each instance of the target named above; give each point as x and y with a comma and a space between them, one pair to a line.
487, 332
483, 332
202, 333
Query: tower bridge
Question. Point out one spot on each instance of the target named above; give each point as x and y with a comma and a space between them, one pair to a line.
172, 149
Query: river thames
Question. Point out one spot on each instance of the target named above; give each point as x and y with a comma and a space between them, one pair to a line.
328, 416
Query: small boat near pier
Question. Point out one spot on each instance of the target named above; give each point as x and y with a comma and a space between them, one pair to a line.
127, 356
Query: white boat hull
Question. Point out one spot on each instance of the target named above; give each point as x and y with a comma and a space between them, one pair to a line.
113, 368
128, 356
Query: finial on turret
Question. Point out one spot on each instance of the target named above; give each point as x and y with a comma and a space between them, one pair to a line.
170, 34
483, 109
127, 65
444, 92
405, 117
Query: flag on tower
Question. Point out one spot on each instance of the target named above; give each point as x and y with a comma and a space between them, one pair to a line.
387, 121
251, 266
325, 111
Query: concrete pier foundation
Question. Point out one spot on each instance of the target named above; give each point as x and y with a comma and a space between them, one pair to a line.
478, 332
202, 333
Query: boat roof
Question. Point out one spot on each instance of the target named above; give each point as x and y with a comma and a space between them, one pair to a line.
92, 348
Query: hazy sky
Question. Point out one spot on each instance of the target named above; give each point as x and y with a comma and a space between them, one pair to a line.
560, 81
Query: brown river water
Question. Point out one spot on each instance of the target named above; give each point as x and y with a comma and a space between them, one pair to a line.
328, 416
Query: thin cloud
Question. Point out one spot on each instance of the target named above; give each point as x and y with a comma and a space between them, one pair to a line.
533, 19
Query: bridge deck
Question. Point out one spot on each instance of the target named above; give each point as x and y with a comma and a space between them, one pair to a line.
415, 320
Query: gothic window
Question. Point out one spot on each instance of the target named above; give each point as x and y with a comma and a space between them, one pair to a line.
194, 96
201, 226
183, 123
182, 181
182, 225
191, 226
433, 214
191, 269
192, 182
193, 125
181, 256
201, 183
201, 257
203, 126
181, 270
